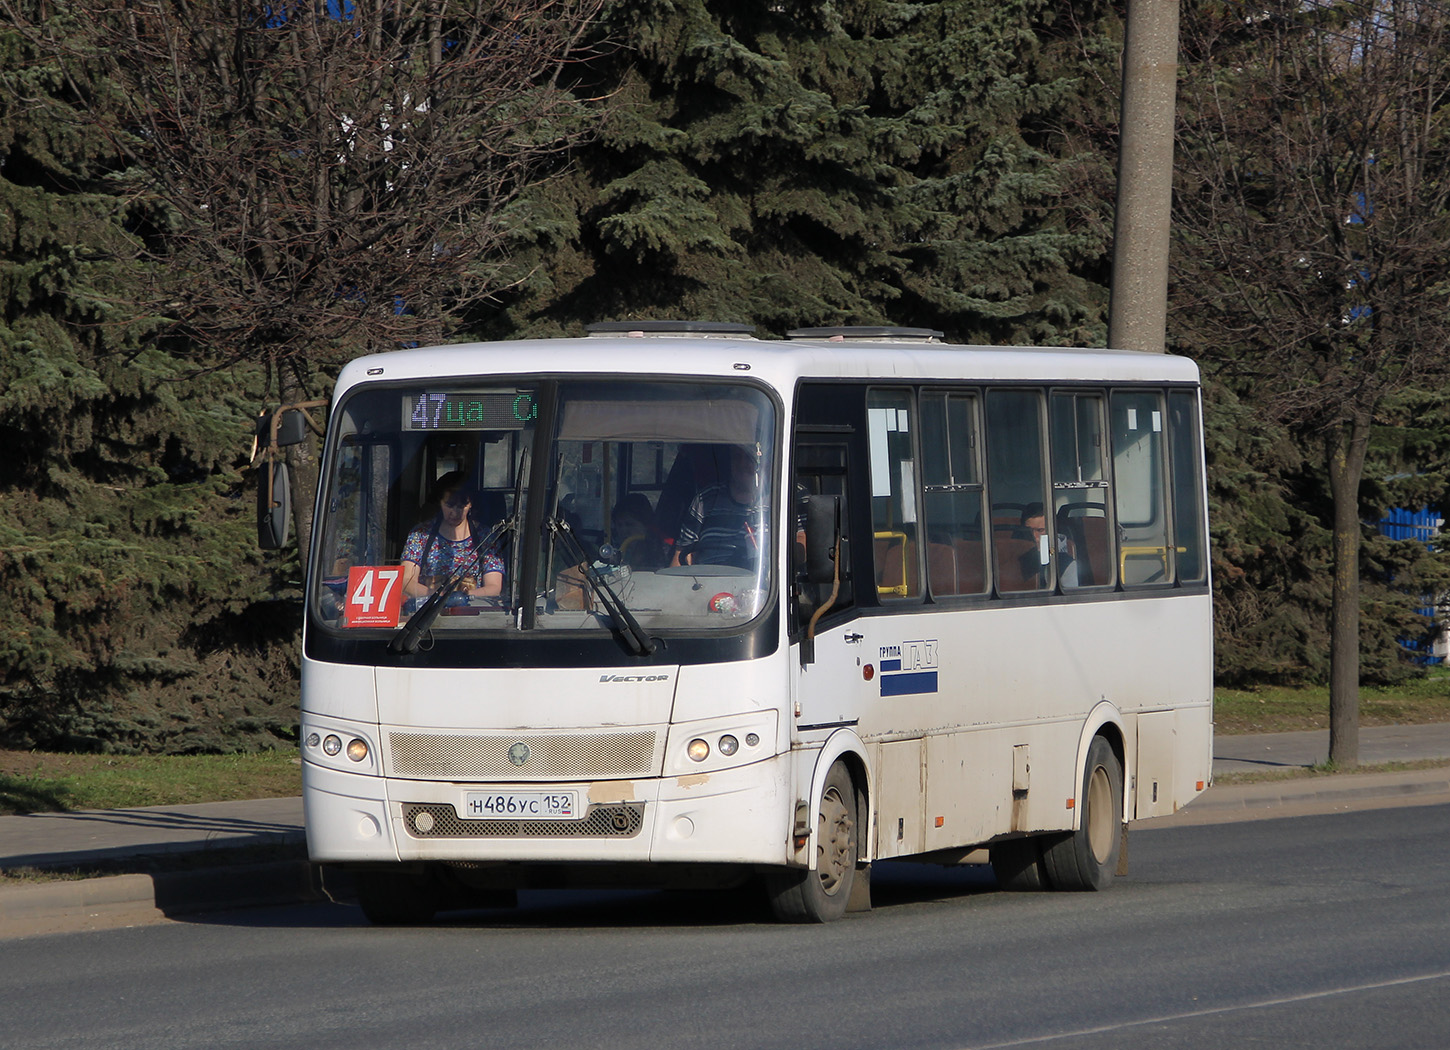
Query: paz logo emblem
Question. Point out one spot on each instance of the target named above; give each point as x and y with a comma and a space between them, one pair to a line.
519, 753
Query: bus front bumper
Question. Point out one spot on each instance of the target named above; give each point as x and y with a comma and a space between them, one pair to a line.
733, 816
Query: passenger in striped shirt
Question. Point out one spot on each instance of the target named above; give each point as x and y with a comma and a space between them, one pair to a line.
724, 524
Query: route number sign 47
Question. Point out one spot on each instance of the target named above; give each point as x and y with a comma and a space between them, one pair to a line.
374, 595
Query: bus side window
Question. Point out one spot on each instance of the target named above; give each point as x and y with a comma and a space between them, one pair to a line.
1082, 518
1184, 442
952, 496
893, 494
1017, 481
1144, 554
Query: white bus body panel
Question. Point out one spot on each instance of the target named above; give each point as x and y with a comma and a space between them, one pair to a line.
733, 809
984, 728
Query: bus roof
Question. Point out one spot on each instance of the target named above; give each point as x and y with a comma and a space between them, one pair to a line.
780, 362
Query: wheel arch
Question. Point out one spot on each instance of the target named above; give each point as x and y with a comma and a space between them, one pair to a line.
846, 747
1106, 721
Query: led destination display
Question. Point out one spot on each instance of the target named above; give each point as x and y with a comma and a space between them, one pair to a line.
469, 410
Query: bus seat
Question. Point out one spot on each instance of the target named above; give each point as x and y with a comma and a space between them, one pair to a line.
1097, 550
1007, 515
971, 566
896, 571
941, 569
1086, 525
489, 507
1010, 549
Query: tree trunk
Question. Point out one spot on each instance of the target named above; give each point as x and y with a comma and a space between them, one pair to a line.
302, 467
1346, 451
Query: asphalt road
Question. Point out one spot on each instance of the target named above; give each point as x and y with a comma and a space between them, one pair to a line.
1324, 932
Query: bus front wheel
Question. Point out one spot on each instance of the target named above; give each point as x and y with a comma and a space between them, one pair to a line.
822, 894
1088, 858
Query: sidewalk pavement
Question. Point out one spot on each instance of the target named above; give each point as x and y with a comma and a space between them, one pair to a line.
212, 840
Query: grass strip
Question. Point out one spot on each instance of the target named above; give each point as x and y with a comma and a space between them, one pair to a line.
42, 782
1283, 709
1327, 769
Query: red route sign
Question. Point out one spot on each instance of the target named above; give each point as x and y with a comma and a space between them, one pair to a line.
374, 595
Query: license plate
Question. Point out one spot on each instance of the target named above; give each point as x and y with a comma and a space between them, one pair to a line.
520, 805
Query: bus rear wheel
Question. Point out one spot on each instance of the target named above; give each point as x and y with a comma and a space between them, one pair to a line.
1087, 859
1017, 863
822, 894
396, 898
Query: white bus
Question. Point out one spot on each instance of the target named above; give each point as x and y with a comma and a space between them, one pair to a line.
774, 608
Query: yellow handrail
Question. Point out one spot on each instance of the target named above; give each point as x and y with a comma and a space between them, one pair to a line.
903, 589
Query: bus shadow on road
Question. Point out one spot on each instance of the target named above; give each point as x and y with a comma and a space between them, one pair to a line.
894, 885
897, 883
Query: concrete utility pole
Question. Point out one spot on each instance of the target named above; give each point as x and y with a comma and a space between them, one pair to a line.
1138, 307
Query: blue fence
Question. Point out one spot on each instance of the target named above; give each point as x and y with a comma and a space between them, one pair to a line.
1423, 525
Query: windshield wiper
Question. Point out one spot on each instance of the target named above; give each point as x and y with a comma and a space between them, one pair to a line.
408, 637
624, 621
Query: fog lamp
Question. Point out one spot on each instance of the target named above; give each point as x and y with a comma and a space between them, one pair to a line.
357, 750
698, 750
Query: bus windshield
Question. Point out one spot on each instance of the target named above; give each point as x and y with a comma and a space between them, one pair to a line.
648, 500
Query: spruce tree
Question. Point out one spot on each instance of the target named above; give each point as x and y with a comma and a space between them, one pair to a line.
138, 614
808, 163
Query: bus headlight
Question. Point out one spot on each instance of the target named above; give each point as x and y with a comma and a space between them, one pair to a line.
336, 745
708, 745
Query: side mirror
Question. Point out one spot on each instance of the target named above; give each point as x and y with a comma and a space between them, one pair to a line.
274, 506
291, 428
823, 529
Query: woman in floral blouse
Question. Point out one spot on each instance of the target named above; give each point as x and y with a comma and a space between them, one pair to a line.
444, 544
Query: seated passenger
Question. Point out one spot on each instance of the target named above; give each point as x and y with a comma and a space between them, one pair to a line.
1034, 527
443, 544
724, 523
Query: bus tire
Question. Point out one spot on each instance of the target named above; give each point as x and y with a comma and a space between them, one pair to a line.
396, 898
1087, 858
821, 894
1017, 863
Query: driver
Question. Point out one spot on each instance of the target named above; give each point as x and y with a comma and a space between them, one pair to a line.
446, 542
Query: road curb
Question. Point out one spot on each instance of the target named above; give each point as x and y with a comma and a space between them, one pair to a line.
112, 901
1298, 797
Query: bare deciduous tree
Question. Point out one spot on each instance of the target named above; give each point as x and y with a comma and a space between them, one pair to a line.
1314, 179
336, 174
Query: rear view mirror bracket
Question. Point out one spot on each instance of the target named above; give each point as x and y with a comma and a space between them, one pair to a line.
284, 426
